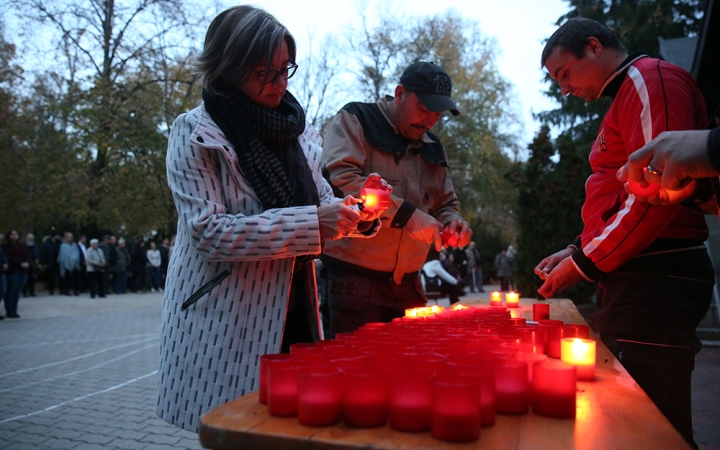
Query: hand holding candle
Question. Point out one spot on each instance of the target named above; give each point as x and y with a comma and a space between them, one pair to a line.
375, 195
637, 188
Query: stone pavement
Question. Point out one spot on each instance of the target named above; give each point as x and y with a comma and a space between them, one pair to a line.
80, 373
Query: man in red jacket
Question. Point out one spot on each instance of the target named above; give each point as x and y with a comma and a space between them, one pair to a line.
654, 276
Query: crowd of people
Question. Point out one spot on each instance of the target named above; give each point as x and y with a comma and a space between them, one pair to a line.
72, 266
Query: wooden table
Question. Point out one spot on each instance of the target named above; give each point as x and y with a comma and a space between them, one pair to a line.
612, 413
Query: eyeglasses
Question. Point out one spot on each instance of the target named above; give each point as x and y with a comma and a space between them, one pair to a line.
285, 73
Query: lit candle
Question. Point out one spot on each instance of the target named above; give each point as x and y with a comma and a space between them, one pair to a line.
581, 354
512, 299
495, 298
375, 199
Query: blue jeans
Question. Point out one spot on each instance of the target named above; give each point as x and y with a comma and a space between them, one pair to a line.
15, 283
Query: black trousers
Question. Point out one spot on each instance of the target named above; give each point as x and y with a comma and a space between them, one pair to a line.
647, 314
355, 300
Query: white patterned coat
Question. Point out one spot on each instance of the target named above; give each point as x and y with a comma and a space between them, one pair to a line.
209, 353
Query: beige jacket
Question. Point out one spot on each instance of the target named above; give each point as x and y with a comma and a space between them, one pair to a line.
349, 158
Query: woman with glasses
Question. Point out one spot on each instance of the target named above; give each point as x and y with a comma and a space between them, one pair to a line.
253, 212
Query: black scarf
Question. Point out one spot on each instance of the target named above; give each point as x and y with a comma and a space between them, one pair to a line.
265, 140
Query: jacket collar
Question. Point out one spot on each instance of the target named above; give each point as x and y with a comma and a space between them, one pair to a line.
614, 81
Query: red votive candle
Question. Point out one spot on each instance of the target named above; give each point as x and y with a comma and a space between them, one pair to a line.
320, 391
410, 399
512, 299
554, 334
554, 389
283, 388
581, 354
455, 412
375, 199
530, 359
365, 399
496, 298
541, 334
541, 311
483, 371
511, 387
265, 362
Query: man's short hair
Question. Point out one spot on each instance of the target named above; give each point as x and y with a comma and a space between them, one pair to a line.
575, 34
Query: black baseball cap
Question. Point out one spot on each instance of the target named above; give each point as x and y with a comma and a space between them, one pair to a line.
431, 84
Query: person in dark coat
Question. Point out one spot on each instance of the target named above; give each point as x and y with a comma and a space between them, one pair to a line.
33, 272
139, 265
49, 252
17, 272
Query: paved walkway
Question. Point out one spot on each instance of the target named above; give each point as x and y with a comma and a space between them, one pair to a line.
80, 373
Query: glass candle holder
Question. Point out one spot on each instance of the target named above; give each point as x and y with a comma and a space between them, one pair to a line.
511, 387
320, 392
455, 414
265, 362
512, 299
283, 388
554, 334
482, 370
530, 359
496, 298
541, 333
541, 311
375, 199
365, 399
554, 390
581, 354
410, 399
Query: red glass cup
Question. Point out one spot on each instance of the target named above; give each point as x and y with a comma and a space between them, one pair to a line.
554, 389
541, 311
282, 379
531, 359
482, 370
320, 392
410, 399
541, 333
511, 387
265, 362
365, 398
554, 335
455, 414
375, 199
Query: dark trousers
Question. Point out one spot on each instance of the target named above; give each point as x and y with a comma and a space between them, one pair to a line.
70, 282
647, 314
355, 300
452, 291
119, 282
29, 288
97, 283
52, 277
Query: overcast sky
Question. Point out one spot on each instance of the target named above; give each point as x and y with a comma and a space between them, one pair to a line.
519, 27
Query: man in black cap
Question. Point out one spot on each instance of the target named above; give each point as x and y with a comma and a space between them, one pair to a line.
376, 279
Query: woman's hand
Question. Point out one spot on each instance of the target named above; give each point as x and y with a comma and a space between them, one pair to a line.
337, 219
